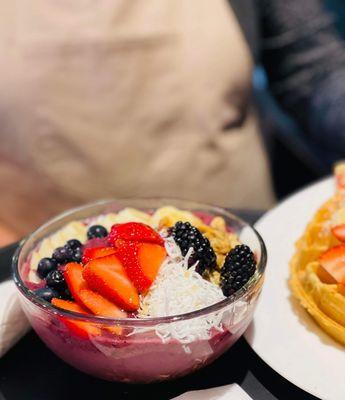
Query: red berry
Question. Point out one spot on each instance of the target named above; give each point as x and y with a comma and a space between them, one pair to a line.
134, 232
141, 262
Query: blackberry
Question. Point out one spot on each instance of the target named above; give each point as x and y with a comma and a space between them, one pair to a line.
239, 266
187, 236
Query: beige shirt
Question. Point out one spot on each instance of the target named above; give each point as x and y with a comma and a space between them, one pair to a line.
126, 98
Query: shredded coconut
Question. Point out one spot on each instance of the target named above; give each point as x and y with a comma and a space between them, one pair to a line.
178, 290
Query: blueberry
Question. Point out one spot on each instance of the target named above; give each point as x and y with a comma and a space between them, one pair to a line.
77, 255
66, 295
96, 231
74, 244
46, 293
45, 266
62, 254
56, 280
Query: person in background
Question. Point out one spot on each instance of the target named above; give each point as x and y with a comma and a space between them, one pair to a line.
145, 98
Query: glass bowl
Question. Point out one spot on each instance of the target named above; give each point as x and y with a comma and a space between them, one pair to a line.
142, 350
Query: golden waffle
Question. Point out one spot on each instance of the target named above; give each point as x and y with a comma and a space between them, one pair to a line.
322, 300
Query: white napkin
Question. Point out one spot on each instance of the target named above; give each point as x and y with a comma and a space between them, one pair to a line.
13, 322
228, 392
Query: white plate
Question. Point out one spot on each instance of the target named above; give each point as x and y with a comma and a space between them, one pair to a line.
282, 333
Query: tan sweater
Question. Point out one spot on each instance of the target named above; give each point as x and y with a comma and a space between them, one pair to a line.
126, 98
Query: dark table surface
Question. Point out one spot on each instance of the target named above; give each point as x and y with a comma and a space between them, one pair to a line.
30, 371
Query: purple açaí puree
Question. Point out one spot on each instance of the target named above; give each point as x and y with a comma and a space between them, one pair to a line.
141, 357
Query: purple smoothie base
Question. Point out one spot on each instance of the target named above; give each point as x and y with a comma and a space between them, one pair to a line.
132, 359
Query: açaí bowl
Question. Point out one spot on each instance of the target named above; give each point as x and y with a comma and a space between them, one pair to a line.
139, 355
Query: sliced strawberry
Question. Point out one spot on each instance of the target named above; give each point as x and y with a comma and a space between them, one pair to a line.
339, 232
79, 328
333, 261
141, 262
102, 307
73, 275
151, 257
107, 276
96, 252
135, 232
324, 276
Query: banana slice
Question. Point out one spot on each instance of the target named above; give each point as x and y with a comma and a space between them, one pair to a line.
133, 215
107, 220
73, 230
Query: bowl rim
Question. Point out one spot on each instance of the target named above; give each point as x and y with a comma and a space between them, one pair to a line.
255, 282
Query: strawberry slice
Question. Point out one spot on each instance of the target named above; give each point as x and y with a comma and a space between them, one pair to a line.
91, 253
102, 307
333, 261
134, 232
107, 276
73, 275
81, 329
339, 232
141, 262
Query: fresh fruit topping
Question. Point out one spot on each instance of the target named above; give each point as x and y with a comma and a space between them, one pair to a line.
106, 276
333, 261
151, 257
66, 295
96, 252
69, 305
99, 305
135, 232
96, 231
45, 266
62, 254
81, 329
239, 266
339, 232
141, 262
102, 307
46, 293
56, 280
73, 275
324, 276
187, 236
77, 255
74, 244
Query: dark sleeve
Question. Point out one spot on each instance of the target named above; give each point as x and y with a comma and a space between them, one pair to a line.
305, 61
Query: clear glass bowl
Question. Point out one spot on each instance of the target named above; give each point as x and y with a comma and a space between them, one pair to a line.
144, 352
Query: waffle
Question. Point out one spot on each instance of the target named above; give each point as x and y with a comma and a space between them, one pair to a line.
322, 299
